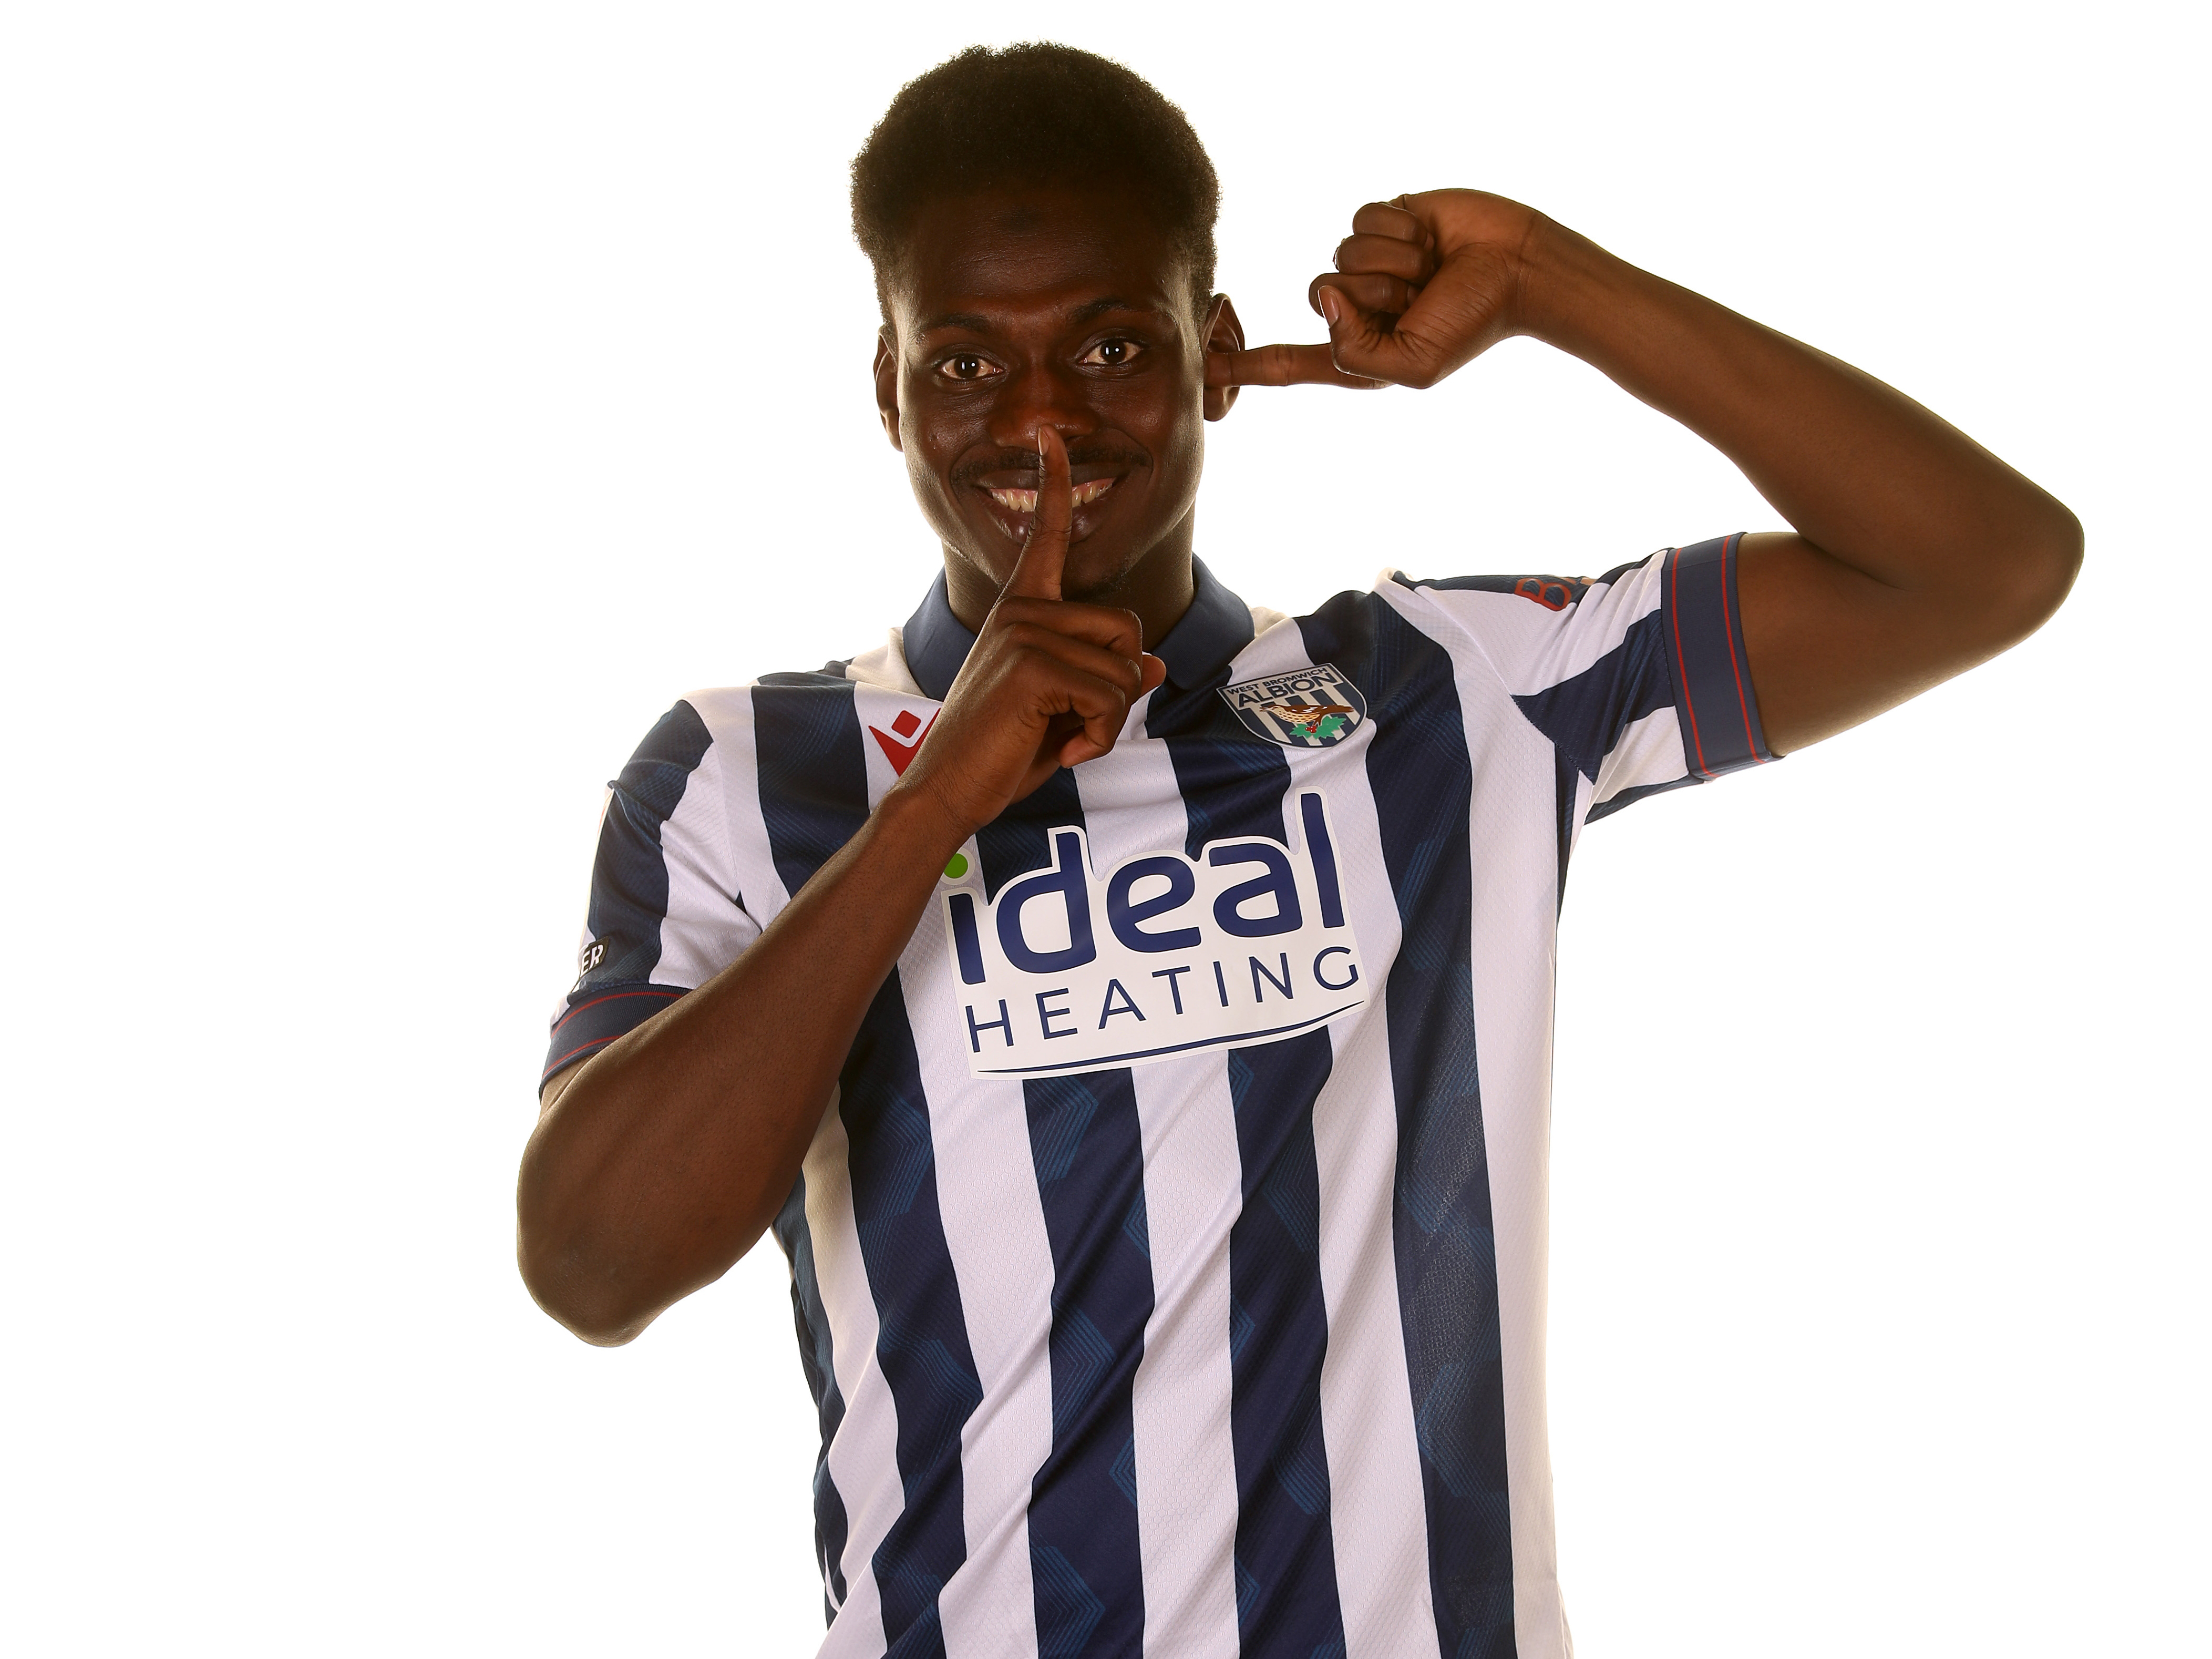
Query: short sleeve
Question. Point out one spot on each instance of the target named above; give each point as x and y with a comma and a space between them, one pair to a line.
1637, 678
665, 915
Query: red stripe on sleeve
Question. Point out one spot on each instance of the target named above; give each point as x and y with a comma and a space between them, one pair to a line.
1681, 663
1729, 550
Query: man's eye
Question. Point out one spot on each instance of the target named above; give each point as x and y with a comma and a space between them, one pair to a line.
966, 366
1112, 353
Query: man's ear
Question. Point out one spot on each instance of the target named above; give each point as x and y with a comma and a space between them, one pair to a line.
887, 378
1223, 333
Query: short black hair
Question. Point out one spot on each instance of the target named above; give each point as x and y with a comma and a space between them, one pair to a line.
1037, 113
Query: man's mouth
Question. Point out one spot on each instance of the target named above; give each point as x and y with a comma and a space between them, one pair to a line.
1025, 501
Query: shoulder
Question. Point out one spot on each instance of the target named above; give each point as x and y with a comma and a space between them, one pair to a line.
1535, 629
1506, 599
702, 719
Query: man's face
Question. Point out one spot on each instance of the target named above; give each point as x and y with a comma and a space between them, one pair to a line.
1022, 308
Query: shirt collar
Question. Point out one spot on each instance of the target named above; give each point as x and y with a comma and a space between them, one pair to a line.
1216, 628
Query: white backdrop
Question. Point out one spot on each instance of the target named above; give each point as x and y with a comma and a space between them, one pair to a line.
400, 405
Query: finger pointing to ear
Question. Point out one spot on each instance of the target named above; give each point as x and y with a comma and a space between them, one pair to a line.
1359, 341
1281, 365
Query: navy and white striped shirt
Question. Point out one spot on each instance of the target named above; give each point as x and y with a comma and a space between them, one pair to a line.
1169, 1265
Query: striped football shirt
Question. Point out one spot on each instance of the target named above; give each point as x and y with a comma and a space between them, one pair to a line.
1168, 1265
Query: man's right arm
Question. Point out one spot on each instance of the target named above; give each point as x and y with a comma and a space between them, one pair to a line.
659, 1161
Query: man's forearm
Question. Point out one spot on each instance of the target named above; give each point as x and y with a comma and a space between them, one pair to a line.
667, 1153
1861, 470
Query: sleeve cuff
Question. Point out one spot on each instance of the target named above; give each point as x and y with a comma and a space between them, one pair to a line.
1704, 631
605, 1013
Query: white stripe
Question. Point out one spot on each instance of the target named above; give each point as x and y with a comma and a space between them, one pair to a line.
885, 665
1513, 936
994, 1232
1532, 647
1649, 751
1378, 1517
584, 934
1193, 1191
863, 1454
703, 929
751, 874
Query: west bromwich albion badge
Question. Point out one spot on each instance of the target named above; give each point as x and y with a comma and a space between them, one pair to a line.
1306, 708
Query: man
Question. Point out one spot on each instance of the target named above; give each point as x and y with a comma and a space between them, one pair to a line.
1131, 1009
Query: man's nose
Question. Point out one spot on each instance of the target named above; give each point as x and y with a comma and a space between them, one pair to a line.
1039, 395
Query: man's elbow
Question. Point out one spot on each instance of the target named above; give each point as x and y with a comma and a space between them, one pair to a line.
595, 1307
2051, 565
2042, 560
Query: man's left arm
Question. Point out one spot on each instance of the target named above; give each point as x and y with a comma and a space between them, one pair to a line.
1915, 553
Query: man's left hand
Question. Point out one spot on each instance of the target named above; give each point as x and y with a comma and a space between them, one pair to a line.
1423, 284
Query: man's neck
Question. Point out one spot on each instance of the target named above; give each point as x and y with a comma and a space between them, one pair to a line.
1158, 587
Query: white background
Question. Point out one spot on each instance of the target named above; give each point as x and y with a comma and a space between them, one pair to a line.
400, 405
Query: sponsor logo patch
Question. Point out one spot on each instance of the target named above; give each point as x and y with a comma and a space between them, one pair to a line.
1306, 708
1166, 956
903, 741
1552, 593
588, 958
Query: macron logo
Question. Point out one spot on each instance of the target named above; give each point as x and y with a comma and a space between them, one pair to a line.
902, 747
1167, 954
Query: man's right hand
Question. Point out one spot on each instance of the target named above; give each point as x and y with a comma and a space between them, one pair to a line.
1049, 683
659, 1161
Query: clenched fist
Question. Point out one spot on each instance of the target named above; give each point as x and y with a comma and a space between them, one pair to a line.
1423, 285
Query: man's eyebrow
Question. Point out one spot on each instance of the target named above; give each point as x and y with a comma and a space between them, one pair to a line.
1083, 314
975, 322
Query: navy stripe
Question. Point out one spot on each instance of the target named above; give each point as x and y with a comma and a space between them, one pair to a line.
1565, 786
817, 1358
922, 1340
602, 1014
1085, 1552
630, 891
1585, 715
1286, 1562
1086, 1560
1705, 642
1286, 1601
1232, 782
813, 775
629, 873
1419, 771
813, 787
1019, 840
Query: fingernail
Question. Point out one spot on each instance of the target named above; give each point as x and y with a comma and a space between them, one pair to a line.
1331, 306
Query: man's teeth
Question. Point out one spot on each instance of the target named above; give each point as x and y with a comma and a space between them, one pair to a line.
1025, 501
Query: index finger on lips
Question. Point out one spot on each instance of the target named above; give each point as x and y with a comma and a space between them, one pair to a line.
1044, 556
1280, 365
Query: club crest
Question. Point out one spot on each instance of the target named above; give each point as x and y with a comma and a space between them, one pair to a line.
1306, 708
